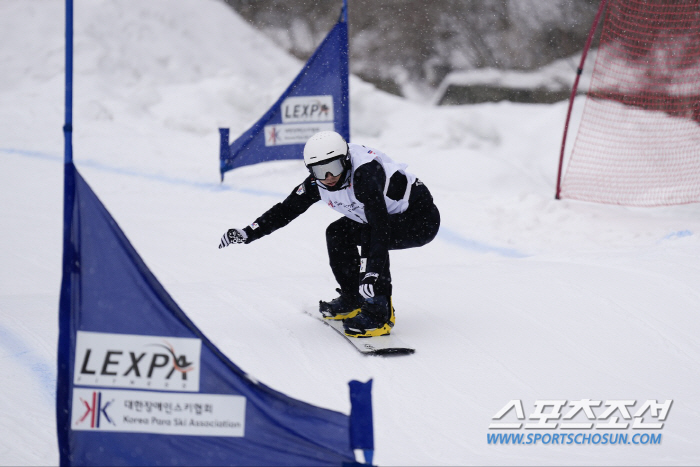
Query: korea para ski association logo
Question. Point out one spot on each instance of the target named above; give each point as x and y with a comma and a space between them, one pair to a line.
171, 413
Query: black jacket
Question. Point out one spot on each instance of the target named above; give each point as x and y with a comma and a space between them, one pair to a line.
369, 182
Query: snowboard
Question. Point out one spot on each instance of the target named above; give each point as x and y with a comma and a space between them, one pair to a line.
381, 345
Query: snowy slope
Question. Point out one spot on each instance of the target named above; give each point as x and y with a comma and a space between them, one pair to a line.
519, 297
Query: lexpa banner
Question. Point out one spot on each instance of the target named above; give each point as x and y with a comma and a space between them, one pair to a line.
317, 100
139, 384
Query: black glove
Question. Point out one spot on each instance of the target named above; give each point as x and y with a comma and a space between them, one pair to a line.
233, 236
367, 284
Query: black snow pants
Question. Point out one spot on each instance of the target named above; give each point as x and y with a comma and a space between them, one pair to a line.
415, 227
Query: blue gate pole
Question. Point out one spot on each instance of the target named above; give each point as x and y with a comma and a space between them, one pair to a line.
361, 420
62, 383
224, 149
68, 126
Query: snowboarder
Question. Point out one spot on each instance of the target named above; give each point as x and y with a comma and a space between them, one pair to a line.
385, 208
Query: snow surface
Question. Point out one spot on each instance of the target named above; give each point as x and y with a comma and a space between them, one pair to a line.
519, 297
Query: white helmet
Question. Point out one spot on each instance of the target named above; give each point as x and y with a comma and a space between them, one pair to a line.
322, 151
324, 145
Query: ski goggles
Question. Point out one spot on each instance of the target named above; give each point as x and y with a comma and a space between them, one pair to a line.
333, 166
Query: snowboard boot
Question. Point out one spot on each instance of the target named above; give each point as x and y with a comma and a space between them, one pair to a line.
376, 318
343, 307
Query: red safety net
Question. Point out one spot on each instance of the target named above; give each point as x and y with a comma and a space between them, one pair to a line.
638, 143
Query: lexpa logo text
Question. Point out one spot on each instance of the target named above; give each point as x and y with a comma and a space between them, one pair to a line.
133, 361
300, 109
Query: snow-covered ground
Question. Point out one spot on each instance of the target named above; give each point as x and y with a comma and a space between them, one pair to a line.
520, 297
